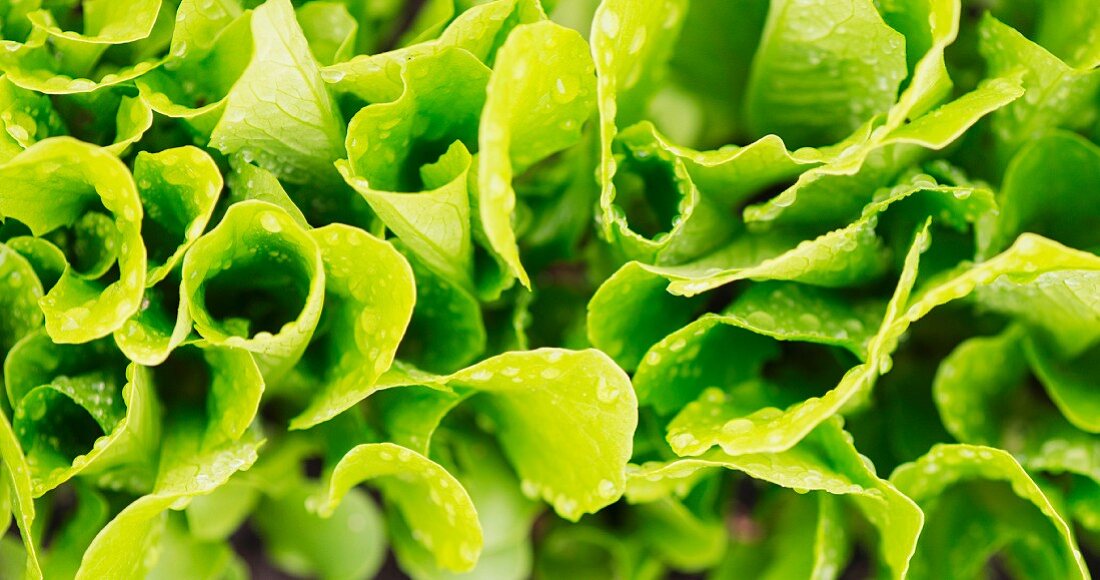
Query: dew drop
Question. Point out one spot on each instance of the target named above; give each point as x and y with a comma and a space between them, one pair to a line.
609, 23
270, 222
606, 392
737, 426
606, 489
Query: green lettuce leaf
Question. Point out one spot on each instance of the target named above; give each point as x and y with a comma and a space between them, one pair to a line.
448, 526
979, 501
528, 396
822, 69
279, 111
225, 266
81, 182
53, 60
825, 461
519, 127
369, 296
447, 330
480, 31
421, 142
1057, 93
1063, 166
20, 291
330, 29
108, 406
178, 189
19, 484
870, 158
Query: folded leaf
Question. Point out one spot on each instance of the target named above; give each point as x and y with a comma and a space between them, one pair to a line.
825, 461
869, 159
1057, 94
54, 184
519, 127
822, 69
279, 112
447, 525
369, 296
422, 141
547, 397
110, 413
57, 61
480, 30
978, 501
267, 302
1065, 168
178, 188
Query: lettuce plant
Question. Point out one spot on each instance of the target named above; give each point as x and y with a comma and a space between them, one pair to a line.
520, 288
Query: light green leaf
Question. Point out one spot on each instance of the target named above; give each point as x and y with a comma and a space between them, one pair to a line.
869, 159
659, 214
977, 372
46, 259
506, 516
195, 88
420, 143
250, 182
1070, 383
108, 408
520, 127
447, 331
843, 257
625, 37
198, 24
770, 430
27, 117
435, 223
822, 69
161, 324
448, 525
279, 112
1040, 282
1072, 39
133, 119
57, 61
225, 271
1058, 95
19, 484
178, 188
825, 460
121, 548
929, 28
981, 390
369, 297
575, 407
330, 29
410, 415
480, 31
20, 291
55, 183
978, 501
616, 321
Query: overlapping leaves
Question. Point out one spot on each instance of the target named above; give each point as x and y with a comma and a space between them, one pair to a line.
692, 276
